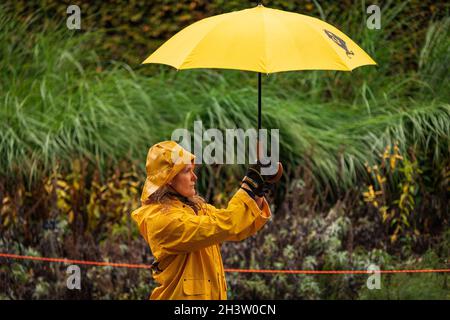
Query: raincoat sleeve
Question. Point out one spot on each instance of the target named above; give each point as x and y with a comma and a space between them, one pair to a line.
257, 224
179, 230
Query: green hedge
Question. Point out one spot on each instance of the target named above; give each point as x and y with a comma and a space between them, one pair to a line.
134, 28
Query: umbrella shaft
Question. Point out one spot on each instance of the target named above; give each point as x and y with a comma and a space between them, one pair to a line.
259, 102
258, 145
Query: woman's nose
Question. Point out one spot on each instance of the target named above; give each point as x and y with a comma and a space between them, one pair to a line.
194, 177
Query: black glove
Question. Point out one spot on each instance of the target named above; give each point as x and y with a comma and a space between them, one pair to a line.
255, 183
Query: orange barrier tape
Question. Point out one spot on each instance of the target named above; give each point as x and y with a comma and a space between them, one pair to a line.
336, 271
144, 266
94, 263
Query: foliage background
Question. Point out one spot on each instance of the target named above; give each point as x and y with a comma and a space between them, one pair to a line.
366, 153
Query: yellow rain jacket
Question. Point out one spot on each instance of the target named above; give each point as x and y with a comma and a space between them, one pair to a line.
187, 245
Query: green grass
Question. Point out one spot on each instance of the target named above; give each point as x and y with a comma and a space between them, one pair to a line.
60, 100
425, 286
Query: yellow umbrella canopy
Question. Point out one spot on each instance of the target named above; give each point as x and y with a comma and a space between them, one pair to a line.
263, 40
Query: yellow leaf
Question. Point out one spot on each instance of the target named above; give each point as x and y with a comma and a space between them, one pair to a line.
71, 216
392, 162
393, 238
380, 179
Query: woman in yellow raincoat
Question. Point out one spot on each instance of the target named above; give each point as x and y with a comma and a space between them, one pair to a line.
184, 232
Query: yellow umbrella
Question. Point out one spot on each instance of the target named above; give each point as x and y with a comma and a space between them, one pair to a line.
263, 40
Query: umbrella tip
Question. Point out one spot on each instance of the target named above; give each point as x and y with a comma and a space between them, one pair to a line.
260, 5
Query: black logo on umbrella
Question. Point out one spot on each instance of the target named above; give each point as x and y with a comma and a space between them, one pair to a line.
341, 43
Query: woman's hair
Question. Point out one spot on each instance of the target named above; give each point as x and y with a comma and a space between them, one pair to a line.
165, 194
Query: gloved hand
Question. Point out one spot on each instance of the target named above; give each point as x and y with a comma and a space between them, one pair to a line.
257, 184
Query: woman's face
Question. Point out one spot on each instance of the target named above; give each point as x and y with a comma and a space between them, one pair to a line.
184, 181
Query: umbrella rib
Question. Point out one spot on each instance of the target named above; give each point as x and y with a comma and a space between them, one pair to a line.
203, 37
285, 27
